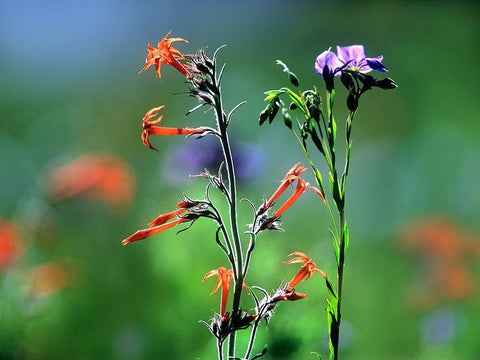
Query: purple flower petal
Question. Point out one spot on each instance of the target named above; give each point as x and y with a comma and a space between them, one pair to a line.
329, 59
376, 64
353, 54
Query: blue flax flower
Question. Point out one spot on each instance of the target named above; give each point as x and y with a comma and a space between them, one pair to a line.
351, 58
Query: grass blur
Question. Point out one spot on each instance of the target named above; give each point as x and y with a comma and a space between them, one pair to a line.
70, 87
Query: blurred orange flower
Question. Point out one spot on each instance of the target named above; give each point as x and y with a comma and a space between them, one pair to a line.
165, 53
102, 176
445, 250
49, 278
10, 246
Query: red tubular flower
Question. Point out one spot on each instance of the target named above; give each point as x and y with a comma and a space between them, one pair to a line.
149, 128
289, 296
224, 278
159, 224
300, 189
292, 175
163, 218
165, 53
143, 234
307, 270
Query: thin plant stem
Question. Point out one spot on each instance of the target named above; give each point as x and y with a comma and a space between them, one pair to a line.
251, 341
340, 266
238, 269
220, 349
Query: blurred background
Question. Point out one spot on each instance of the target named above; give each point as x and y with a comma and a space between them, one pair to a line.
75, 179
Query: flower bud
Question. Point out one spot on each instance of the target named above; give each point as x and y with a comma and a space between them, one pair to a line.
352, 102
347, 81
328, 77
264, 115
386, 84
286, 118
293, 79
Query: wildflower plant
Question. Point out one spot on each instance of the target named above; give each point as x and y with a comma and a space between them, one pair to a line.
204, 78
316, 128
316, 123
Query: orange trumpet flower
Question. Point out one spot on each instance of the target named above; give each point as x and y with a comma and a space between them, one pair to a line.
143, 234
307, 270
149, 128
165, 53
224, 278
299, 190
292, 175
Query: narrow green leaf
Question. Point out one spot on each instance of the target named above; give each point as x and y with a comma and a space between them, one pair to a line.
346, 235
331, 291
334, 129
271, 94
336, 247
319, 180
331, 182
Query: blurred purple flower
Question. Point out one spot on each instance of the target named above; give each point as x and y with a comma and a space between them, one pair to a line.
351, 58
440, 326
193, 157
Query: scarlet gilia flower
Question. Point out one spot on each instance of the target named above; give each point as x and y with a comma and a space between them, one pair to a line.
291, 176
102, 176
149, 128
224, 278
159, 224
307, 270
165, 53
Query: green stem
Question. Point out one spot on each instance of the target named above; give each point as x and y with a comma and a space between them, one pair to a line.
251, 341
237, 270
340, 266
220, 349
341, 258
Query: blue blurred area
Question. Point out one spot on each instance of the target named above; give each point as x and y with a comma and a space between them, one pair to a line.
69, 86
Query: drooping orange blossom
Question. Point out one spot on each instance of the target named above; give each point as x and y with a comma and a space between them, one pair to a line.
157, 225
307, 270
224, 279
165, 53
149, 128
291, 176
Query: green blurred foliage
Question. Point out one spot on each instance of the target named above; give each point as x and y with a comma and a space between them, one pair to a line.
69, 86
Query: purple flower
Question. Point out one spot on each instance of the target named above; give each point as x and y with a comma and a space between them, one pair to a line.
351, 58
